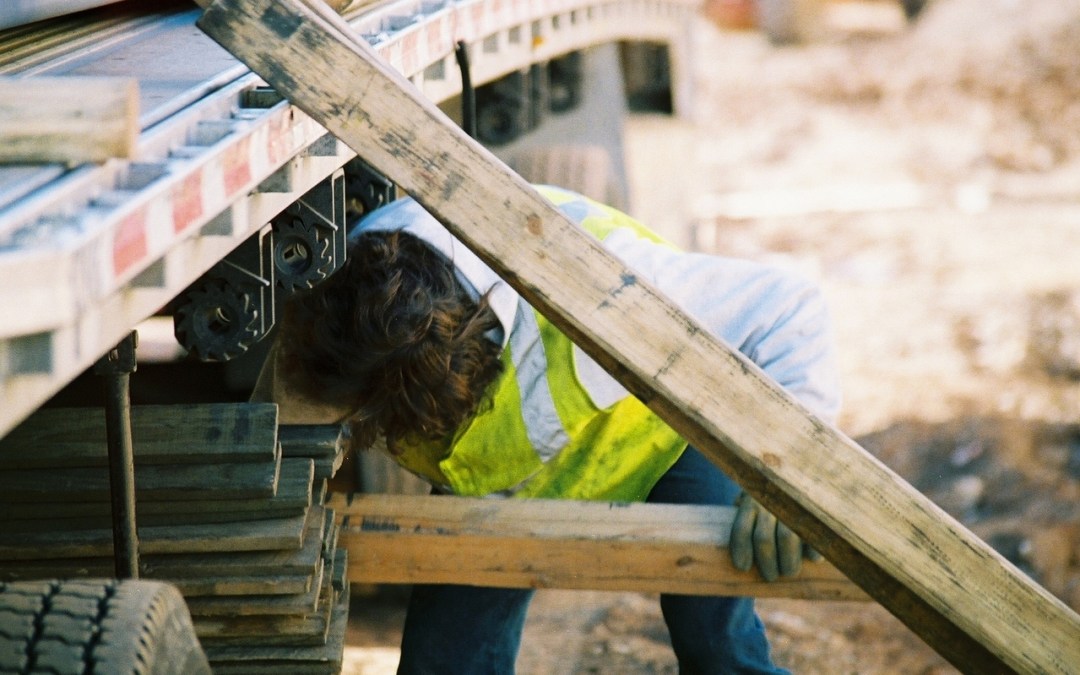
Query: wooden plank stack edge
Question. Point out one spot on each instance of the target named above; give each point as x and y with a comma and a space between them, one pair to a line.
230, 509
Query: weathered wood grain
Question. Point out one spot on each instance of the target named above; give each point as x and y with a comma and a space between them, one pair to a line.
310, 440
321, 442
269, 630
263, 631
290, 658
230, 572
555, 544
259, 535
244, 585
959, 595
301, 560
152, 483
211, 433
292, 497
264, 605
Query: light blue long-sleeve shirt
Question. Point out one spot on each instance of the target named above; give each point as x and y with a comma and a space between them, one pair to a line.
776, 318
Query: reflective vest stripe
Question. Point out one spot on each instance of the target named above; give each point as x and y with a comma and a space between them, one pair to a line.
542, 424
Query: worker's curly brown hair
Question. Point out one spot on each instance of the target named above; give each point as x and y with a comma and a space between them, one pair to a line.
394, 336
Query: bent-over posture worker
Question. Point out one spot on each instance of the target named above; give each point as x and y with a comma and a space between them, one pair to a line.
417, 344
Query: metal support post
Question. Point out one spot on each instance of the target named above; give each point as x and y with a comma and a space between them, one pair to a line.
116, 367
468, 93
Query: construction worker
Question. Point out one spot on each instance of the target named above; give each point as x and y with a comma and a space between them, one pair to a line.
422, 349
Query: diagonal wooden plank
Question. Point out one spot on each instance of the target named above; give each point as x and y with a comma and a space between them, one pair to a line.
964, 599
515, 543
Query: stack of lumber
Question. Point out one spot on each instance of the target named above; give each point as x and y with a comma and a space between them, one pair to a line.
230, 509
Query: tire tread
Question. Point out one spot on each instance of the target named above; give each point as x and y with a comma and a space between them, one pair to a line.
97, 626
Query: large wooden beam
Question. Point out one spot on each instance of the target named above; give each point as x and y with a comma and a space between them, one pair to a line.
201, 433
67, 119
514, 543
959, 595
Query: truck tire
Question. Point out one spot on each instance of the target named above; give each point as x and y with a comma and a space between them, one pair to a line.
97, 627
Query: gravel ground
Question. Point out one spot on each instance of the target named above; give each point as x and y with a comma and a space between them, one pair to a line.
927, 177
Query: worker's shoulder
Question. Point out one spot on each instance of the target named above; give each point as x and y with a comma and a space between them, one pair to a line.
768, 281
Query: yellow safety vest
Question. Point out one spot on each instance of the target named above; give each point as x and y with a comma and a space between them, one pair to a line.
543, 435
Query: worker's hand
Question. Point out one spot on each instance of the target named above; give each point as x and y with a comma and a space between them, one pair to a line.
756, 535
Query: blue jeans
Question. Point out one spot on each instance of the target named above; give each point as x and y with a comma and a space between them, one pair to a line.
472, 630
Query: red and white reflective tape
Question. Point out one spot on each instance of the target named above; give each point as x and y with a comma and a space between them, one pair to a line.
433, 36
156, 218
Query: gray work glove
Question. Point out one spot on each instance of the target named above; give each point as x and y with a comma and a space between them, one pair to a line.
757, 535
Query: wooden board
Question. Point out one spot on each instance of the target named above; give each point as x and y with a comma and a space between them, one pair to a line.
184, 567
179, 569
211, 433
327, 467
67, 119
295, 604
321, 442
263, 631
56, 568
300, 630
957, 593
331, 530
310, 440
302, 560
152, 483
259, 535
244, 585
285, 658
292, 498
555, 544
